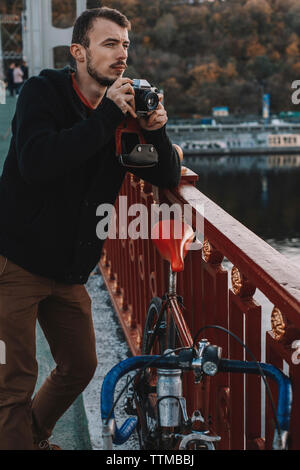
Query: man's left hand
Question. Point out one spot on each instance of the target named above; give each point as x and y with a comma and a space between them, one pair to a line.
156, 119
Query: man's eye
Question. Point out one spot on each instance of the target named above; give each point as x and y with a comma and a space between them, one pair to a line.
112, 44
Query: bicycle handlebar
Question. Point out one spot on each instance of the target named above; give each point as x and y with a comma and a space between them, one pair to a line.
119, 436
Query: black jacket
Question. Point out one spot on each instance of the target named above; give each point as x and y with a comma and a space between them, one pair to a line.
60, 167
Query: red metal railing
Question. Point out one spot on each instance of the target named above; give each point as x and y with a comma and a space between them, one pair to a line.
134, 273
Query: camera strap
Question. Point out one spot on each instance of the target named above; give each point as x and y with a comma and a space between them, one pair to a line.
131, 147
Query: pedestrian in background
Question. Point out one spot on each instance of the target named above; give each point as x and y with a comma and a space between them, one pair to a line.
10, 79
18, 76
24, 69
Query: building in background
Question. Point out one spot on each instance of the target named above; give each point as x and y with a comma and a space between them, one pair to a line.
47, 32
10, 41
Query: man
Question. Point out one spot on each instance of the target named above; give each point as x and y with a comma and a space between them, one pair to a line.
18, 77
61, 165
10, 79
25, 71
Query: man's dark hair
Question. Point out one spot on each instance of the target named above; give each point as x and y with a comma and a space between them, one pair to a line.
84, 23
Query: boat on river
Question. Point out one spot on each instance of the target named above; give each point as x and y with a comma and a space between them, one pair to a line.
236, 139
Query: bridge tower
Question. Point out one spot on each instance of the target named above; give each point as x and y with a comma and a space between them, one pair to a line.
47, 33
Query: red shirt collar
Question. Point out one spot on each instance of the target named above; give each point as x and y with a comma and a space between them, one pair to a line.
81, 96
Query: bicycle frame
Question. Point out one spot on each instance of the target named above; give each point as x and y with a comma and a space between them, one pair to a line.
174, 312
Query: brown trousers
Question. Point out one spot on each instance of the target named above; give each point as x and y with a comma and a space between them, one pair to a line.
64, 314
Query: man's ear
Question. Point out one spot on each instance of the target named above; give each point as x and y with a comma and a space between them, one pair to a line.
77, 52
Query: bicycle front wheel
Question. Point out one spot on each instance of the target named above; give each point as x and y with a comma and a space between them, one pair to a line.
153, 342
154, 337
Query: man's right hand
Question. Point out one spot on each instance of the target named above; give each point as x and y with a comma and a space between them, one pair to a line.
122, 94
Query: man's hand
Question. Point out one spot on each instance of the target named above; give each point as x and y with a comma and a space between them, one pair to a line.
122, 94
156, 120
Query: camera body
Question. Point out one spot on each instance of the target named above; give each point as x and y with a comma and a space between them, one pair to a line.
146, 97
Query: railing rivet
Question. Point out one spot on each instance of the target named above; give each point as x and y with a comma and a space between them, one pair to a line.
277, 323
210, 253
207, 250
296, 354
236, 280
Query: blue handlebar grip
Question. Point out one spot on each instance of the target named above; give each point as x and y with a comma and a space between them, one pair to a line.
123, 434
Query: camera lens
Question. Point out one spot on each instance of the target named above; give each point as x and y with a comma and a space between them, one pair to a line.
152, 101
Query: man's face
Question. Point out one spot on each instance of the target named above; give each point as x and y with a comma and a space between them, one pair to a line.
107, 54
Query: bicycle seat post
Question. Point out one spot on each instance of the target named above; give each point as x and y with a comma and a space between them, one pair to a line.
172, 282
173, 238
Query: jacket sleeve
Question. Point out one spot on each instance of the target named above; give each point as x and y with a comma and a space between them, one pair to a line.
47, 151
166, 174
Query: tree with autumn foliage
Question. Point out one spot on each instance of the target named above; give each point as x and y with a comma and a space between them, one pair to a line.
221, 53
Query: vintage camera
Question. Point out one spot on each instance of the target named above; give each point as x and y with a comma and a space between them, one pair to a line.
146, 97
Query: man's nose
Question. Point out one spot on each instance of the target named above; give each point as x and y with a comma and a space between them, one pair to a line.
122, 53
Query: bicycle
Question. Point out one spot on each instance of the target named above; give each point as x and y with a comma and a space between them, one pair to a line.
157, 398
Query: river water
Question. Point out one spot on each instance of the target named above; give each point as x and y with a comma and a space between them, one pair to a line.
261, 192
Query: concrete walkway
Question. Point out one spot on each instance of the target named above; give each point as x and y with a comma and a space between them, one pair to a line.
111, 349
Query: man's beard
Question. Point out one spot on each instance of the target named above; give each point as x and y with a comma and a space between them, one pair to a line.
103, 81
